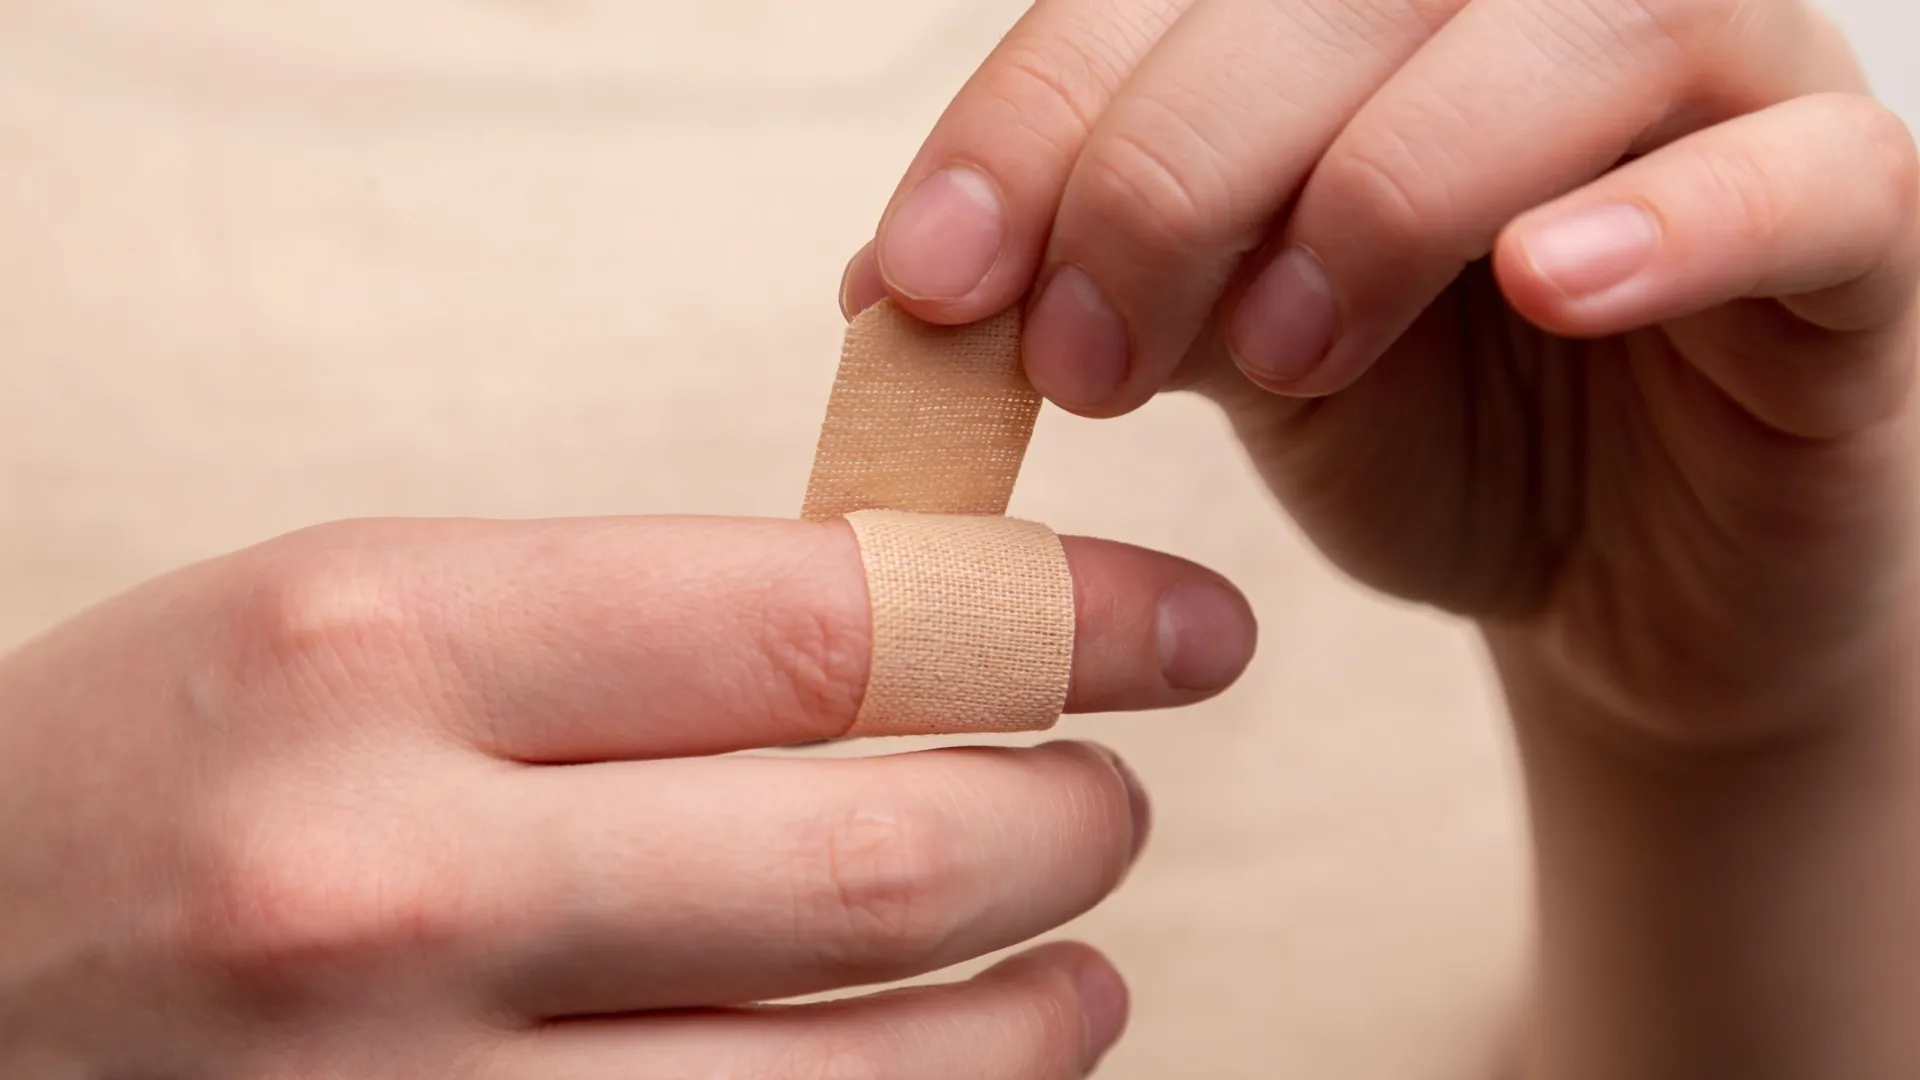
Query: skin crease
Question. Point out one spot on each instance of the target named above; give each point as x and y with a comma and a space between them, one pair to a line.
1680, 504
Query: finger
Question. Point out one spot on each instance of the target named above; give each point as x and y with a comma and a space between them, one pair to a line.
1184, 174
1048, 1014
861, 286
652, 637
1455, 146
964, 231
1813, 202
716, 882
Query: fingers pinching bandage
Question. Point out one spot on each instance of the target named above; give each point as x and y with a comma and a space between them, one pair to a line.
973, 612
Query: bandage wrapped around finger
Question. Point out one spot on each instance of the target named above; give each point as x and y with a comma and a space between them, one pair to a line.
973, 612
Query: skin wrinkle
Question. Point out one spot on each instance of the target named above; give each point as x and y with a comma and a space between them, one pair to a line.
820, 663
964, 886
1384, 178
1034, 68
1040, 54
1144, 193
1336, 24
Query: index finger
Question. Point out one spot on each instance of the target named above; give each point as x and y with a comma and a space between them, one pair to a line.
963, 235
613, 639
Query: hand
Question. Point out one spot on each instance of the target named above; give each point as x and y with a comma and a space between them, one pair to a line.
1652, 417
392, 799
1593, 320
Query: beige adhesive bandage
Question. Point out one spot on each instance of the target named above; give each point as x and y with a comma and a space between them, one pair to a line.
972, 624
932, 419
973, 613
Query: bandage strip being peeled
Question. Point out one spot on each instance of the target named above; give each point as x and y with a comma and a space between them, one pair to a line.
928, 419
973, 612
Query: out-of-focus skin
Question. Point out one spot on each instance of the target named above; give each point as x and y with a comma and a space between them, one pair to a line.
1592, 321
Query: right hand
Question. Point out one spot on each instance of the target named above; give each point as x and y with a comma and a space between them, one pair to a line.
1674, 476
409, 799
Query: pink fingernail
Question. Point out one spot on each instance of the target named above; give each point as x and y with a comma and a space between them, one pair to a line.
1206, 637
860, 284
944, 238
1076, 345
1592, 250
1287, 321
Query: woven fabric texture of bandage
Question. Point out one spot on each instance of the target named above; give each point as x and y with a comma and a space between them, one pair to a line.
972, 624
973, 612
928, 419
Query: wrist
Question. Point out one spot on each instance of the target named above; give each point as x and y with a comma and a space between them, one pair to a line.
1668, 683
1724, 907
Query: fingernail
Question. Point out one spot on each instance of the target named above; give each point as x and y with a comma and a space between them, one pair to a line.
1103, 1006
1075, 345
1137, 803
942, 240
1593, 250
1207, 637
1287, 321
860, 284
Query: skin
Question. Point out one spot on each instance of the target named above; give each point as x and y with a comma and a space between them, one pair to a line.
394, 799
1590, 321
391, 799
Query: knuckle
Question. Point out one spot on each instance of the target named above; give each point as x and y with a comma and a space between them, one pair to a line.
291, 917
815, 655
1161, 194
1051, 90
1743, 186
318, 604
884, 886
1055, 80
1379, 180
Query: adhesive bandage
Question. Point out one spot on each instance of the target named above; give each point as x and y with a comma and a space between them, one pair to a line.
973, 612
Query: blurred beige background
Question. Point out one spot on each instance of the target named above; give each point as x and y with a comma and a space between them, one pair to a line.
268, 264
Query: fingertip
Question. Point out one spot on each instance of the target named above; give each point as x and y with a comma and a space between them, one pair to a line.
1205, 635
1286, 321
1077, 348
1342, 367
958, 313
1526, 292
1582, 269
1532, 295
948, 252
1153, 631
1105, 1004
1101, 991
861, 286
1139, 804
1289, 332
